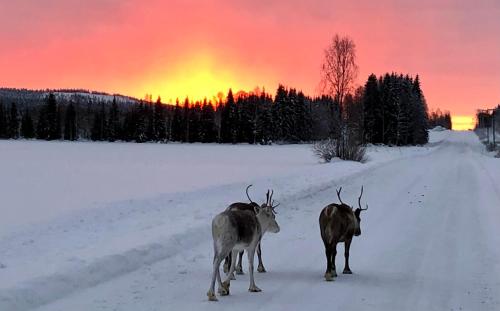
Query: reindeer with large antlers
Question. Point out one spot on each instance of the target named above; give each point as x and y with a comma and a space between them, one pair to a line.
241, 206
235, 230
339, 223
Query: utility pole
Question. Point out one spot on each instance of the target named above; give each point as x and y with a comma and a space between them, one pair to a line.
489, 122
493, 126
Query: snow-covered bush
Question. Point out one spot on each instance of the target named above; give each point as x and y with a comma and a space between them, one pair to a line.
330, 148
351, 151
326, 149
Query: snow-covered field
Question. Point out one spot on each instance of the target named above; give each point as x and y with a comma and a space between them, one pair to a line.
88, 226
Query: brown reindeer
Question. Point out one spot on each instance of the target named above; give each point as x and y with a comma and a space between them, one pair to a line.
339, 223
241, 206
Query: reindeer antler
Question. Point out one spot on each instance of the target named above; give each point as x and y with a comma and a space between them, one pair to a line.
338, 195
267, 197
271, 202
248, 187
359, 201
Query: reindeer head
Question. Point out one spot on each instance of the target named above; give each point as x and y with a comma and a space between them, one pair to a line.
357, 211
267, 215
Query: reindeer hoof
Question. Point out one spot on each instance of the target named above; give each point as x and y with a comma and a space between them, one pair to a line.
329, 277
211, 296
261, 269
224, 290
254, 289
232, 277
239, 271
347, 271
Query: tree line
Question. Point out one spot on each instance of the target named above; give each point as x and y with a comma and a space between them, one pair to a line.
438, 118
389, 110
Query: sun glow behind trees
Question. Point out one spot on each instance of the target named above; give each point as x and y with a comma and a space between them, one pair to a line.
463, 123
198, 77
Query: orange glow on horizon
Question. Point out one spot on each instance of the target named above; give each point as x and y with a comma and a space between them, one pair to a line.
196, 77
463, 123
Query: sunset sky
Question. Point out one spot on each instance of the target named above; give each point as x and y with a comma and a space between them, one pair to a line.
176, 48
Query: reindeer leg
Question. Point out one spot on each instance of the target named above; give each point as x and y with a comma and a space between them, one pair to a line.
219, 281
227, 262
260, 268
253, 287
232, 263
215, 272
334, 254
239, 267
328, 272
347, 246
224, 290
227, 265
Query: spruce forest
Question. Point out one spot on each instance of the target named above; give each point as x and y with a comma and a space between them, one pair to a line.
390, 109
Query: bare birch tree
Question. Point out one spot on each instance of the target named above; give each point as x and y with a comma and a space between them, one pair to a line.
339, 69
338, 74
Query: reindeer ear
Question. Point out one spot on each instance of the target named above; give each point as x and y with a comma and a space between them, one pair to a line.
357, 212
256, 209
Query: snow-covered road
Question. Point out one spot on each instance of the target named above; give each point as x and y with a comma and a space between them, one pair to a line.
430, 241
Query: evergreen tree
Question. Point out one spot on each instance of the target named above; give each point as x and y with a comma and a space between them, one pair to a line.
390, 98
160, 127
194, 123
140, 135
208, 134
186, 112
229, 120
52, 122
129, 124
279, 113
177, 122
246, 106
70, 130
420, 115
354, 116
372, 111
96, 132
27, 128
53, 118
3, 122
58, 126
288, 117
114, 128
42, 125
13, 125
402, 111
264, 120
99, 129
303, 118
149, 118
48, 126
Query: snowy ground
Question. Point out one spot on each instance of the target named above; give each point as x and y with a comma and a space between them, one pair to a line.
134, 233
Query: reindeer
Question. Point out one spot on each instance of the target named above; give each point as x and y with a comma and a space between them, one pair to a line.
236, 230
339, 223
249, 207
